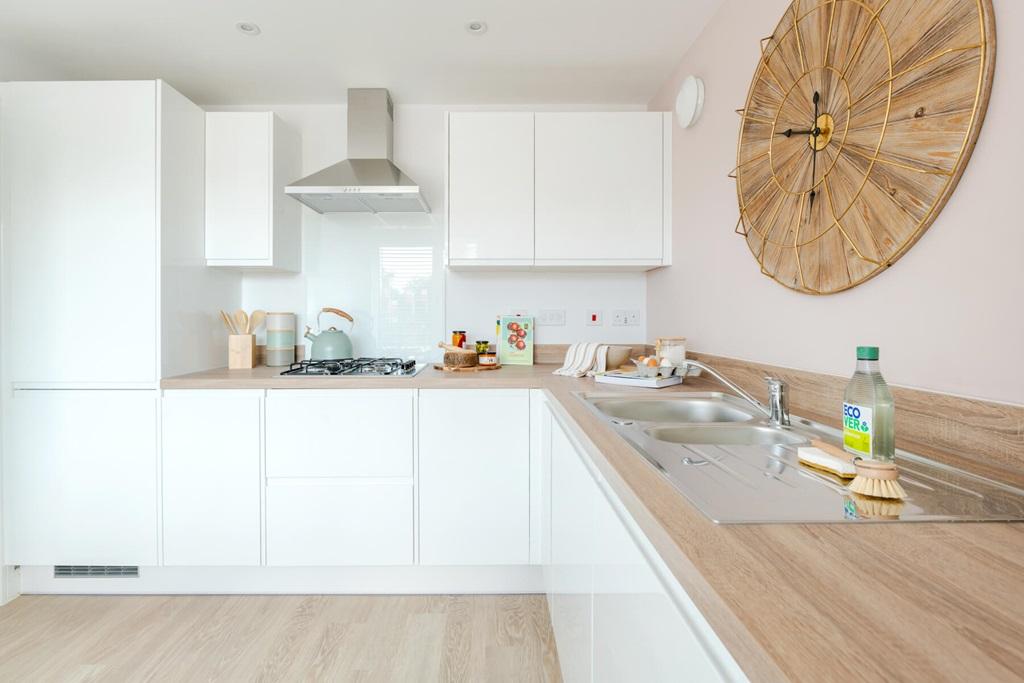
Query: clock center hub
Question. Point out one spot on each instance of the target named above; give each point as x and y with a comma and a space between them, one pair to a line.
826, 127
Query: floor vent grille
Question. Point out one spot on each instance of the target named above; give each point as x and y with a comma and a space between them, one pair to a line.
95, 571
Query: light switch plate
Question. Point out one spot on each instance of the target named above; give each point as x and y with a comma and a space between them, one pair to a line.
551, 317
595, 318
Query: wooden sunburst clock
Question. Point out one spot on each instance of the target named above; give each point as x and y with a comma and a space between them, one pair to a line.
859, 122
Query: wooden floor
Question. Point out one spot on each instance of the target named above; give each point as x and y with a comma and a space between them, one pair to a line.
277, 638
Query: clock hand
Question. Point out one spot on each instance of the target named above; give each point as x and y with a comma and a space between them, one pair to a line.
790, 132
814, 156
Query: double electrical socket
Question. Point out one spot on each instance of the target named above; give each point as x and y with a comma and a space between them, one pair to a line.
625, 318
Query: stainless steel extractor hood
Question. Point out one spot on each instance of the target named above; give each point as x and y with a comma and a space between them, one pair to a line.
367, 181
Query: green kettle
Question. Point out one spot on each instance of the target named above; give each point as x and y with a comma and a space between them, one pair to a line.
332, 343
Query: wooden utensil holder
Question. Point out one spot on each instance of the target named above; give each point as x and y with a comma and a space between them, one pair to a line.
241, 351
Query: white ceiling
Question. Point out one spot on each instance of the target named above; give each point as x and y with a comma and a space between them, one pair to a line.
310, 51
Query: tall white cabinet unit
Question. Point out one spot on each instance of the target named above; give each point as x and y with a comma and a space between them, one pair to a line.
103, 266
562, 190
250, 222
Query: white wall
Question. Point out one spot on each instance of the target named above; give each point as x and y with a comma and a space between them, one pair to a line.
947, 316
342, 254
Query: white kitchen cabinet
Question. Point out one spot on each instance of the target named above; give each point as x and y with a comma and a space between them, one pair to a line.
559, 190
339, 522
601, 188
617, 612
250, 222
80, 478
474, 476
639, 634
101, 207
340, 433
490, 188
80, 231
211, 477
570, 573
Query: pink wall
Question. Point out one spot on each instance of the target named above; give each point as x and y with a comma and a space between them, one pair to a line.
949, 316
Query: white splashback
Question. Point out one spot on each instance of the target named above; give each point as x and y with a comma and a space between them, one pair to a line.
387, 271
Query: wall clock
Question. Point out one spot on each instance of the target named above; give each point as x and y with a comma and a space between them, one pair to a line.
858, 124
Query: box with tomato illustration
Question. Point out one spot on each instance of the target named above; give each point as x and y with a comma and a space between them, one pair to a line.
515, 343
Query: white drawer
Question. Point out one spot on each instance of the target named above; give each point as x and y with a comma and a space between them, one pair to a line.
340, 433
333, 524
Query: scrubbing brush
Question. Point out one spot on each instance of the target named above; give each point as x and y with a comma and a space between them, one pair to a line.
877, 479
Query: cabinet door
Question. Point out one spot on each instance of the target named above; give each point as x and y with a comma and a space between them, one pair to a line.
474, 477
599, 188
80, 236
80, 474
211, 478
490, 188
572, 547
238, 186
332, 523
342, 433
639, 634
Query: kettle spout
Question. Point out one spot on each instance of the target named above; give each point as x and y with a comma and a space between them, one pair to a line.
309, 334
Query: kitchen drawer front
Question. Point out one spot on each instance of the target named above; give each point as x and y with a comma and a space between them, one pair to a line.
339, 523
340, 433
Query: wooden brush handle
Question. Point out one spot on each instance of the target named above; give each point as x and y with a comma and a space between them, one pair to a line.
872, 469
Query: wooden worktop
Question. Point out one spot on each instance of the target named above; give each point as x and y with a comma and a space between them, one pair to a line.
803, 602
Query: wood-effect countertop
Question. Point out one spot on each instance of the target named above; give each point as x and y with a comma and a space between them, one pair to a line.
801, 602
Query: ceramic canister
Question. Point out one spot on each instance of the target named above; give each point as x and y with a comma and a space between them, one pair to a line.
280, 339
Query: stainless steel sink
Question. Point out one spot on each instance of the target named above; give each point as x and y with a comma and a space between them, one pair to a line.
735, 467
727, 435
674, 410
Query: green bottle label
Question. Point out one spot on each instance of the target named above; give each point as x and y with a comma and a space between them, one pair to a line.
857, 424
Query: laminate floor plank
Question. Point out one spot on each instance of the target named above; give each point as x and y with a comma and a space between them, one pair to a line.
277, 638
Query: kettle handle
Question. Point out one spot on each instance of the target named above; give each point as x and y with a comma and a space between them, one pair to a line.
335, 311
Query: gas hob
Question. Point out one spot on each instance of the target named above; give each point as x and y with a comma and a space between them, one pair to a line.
356, 367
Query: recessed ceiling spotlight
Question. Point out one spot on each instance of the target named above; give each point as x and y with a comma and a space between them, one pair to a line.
477, 28
248, 28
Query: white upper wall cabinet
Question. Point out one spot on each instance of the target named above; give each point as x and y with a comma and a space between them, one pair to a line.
559, 190
80, 231
490, 188
600, 188
250, 222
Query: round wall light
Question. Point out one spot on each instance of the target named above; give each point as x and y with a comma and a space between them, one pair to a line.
689, 101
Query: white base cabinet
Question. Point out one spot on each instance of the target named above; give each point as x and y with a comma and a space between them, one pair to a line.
615, 612
80, 478
211, 478
340, 484
474, 476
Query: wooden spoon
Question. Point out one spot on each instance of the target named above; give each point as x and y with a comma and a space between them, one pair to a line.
256, 320
228, 323
242, 321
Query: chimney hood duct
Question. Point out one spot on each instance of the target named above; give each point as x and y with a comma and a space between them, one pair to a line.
367, 181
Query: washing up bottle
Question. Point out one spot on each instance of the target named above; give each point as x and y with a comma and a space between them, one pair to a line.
868, 411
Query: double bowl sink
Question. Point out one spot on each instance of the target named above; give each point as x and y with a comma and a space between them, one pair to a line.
721, 453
